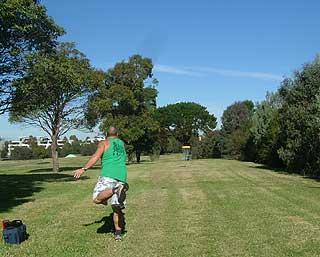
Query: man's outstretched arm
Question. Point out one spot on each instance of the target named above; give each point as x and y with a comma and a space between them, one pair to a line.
92, 161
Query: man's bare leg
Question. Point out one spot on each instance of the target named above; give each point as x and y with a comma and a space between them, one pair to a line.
103, 196
117, 218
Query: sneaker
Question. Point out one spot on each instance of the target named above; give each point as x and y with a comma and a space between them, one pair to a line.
121, 193
117, 235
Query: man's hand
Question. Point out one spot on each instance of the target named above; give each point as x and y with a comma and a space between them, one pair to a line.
77, 173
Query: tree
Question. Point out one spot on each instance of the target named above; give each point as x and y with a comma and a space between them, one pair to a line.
88, 149
299, 120
265, 130
75, 144
235, 131
4, 150
38, 152
185, 120
66, 149
21, 153
24, 28
127, 101
52, 93
208, 147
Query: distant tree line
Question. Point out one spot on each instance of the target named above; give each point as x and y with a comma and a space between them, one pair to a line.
282, 131
35, 151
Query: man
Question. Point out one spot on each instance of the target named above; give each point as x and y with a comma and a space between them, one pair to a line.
113, 176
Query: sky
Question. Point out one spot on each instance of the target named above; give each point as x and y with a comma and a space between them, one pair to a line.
207, 51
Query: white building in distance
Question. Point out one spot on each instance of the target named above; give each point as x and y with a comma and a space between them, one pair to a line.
25, 141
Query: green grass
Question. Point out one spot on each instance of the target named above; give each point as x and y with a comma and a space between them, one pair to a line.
175, 208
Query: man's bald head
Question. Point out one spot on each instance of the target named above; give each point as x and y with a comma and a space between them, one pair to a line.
112, 131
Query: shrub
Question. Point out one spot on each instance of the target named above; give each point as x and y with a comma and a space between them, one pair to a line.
208, 147
21, 153
88, 149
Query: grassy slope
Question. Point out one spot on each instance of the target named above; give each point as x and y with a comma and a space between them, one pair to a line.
175, 208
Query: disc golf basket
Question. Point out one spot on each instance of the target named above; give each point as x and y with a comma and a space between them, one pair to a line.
186, 151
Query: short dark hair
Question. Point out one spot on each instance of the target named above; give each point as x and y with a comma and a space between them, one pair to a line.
112, 131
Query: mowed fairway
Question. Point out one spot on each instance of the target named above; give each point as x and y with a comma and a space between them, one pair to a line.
175, 208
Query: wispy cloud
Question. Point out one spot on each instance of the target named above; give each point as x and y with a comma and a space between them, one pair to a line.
202, 71
176, 70
248, 74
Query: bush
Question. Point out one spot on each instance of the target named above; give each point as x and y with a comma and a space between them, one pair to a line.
4, 151
39, 152
155, 153
65, 150
88, 149
21, 153
173, 145
208, 147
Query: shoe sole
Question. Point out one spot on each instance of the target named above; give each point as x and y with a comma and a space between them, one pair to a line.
122, 193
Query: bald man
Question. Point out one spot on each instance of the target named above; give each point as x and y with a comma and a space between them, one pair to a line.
113, 176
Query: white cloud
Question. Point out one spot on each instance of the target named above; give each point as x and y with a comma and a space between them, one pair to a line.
247, 74
176, 70
202, 71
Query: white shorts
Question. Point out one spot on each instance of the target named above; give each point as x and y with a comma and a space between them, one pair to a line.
105, 183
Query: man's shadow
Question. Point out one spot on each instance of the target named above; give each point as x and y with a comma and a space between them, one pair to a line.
108, 226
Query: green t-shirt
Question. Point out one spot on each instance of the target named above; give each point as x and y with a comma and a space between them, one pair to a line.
113, 161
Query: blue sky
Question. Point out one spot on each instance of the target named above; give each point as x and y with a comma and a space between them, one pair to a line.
208, 51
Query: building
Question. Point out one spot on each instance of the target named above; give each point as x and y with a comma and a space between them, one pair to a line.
46, 142
94, 139
25, 141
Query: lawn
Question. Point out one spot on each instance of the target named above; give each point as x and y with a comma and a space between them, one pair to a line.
175, 208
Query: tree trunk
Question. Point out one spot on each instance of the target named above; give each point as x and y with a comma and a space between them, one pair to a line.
138, 156
54, 154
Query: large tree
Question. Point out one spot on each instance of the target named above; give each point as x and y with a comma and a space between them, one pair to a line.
127, 100
265, 130
52, 93
24, 28
235, 130
185, 120
299, 120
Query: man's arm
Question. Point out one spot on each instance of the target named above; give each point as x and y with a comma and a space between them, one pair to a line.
93, 159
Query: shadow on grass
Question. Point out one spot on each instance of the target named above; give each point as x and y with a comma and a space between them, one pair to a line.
15, 189
107, 226
285, 172
61, 169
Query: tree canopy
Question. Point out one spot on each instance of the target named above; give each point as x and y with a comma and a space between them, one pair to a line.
185, 120
236, 122
24, 28
299, 119
53, 91
127, 100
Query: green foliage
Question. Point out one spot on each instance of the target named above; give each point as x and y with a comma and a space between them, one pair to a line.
65, 150
4, 150
236, 123
88, 149
73, 148
40, 152
65, 80
155, 152
208, 147
127, 101
185, 120
173, 145
75, 145
299, 120
265, 130
24, 28
21, 153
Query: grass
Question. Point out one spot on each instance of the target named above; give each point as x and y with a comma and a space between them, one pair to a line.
175, 208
